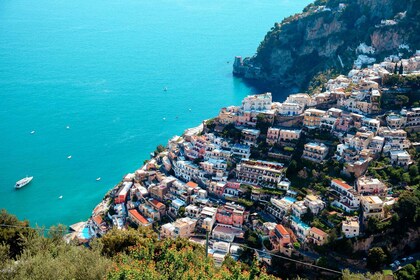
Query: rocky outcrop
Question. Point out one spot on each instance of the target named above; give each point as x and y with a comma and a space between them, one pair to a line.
325, 35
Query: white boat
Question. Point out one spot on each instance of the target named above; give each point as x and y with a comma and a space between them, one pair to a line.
23, 182
60, 197
68, 127
33, 132
69, 157
98, 179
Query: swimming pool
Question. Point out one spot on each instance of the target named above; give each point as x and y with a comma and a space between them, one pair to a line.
289, 199
85, 233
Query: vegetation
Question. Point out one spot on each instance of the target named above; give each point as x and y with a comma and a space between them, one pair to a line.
409, 272
27, 253
376, 258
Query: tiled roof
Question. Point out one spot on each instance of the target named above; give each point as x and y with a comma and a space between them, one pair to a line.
192, 184
282, 230
342, 184
318, 231
138, 216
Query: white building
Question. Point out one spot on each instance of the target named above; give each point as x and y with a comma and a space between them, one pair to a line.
350, 227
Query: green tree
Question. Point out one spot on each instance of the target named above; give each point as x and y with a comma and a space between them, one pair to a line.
13, 232
376, 258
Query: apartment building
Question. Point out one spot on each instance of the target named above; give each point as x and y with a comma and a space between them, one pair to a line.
257, 172
315, 151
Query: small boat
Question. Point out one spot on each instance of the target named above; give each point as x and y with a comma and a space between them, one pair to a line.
69, 157
98, 179
165, 89
60, 197
189, 109
23, 182
68, 127
164, 119
33, 132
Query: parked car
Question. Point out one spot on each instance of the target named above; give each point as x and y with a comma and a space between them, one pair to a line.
410, 258
404, 259
397, 263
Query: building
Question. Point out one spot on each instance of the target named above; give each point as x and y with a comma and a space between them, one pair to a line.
303, 99
138, 218
312, 117
350, 227
314, 203
300, 228
231, 214
289, 134
241, 151
192, 211
290, 109
317, 236
372, 207
395, 121
413, 117
227, 233
249, 136
280, 207
158, 192
182, 228
369, 185
349, 199
273, 135
400, 158
259, 102
257, 172
315, 151
299, 209
121, 196
280, 239
207, 218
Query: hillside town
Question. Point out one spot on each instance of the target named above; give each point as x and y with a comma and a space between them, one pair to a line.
280, 177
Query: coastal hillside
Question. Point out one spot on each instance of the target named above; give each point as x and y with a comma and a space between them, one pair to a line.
332, 34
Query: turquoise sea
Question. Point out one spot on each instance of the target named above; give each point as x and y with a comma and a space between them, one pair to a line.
100, 68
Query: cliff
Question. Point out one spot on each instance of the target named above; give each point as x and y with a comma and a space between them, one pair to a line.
328, 35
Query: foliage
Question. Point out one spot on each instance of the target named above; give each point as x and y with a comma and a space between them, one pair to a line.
347, 275
409, 272
129, 254
231, 132
13, 232
407, 211
160, 148
263, 123
376, 258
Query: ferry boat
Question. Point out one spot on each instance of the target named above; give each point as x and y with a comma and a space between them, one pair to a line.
23, 182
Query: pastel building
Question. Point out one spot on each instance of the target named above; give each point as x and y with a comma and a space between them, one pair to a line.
372, 207
369, 185
138, 218
257, 172
312, 117
315, 151
121, 196
231, 214
350, 227
182, 228
317, 236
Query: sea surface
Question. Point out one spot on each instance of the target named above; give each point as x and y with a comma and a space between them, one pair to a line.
88, 77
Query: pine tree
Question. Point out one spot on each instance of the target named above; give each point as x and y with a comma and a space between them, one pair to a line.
395, 68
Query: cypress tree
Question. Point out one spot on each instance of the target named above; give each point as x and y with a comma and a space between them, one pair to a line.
401, 71
395, 68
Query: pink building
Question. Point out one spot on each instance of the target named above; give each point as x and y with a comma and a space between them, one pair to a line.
280, 240
231, 214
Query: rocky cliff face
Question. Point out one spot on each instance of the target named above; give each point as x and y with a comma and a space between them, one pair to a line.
326, 35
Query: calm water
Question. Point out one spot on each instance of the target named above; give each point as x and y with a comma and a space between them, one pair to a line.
100, 67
